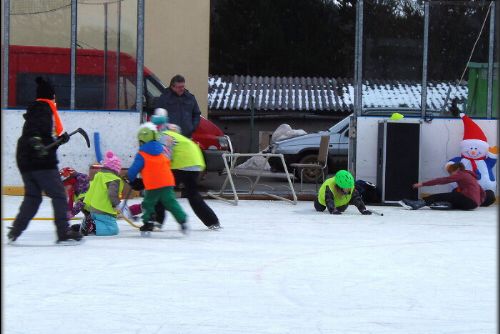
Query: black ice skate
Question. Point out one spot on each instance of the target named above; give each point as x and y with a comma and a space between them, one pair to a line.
12, 237
412, 204
70, 238
146, 229
184, 228
214, 227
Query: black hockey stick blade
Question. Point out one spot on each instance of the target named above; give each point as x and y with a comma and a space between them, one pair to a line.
84, 134
79, 130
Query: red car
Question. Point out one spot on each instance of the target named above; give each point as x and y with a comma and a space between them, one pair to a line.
104, 81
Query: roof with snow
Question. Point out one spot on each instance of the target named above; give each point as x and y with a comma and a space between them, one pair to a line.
317, 94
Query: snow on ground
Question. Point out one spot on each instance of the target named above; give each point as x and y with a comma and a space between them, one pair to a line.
274, 268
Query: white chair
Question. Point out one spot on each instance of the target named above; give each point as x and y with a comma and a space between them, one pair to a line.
319, 165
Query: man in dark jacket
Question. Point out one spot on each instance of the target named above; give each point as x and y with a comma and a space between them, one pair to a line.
38, 165
181, 106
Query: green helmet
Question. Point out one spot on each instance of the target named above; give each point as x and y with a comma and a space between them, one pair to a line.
147, 132
344, 179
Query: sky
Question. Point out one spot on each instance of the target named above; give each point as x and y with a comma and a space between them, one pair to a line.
274, 268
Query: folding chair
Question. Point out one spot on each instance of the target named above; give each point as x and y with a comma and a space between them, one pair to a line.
319, 165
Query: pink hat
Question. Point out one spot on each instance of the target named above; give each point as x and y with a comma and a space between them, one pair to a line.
112, 162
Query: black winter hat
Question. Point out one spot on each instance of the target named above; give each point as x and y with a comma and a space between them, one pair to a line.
44, 89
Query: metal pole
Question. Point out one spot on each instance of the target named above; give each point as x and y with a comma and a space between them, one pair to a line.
425, 52
358, 87
74, 37
491, 69
5, 51
358, 60
118, 52
140, 58
252, 121
105, 81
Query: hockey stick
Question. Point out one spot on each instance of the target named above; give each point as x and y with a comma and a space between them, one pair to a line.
79, 130
131, 223
377, 213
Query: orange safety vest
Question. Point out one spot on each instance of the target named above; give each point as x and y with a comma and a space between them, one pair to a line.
156, 172
58, 126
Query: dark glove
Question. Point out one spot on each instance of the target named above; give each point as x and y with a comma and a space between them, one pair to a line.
37, 145
137, 184
336, 212
366, 212
64, 138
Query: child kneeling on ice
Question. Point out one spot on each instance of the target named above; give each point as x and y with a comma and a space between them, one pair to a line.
103, 196
337, 192
157, 176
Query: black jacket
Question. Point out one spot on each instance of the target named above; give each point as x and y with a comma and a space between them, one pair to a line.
38, 123
182, 110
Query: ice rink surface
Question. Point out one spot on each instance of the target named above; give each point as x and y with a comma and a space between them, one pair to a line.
274, 268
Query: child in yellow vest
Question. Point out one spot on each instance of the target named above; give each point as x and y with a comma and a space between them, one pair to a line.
187, 162
157, 177
103, 196
337, 192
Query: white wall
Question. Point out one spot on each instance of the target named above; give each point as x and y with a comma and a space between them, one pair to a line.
440, 141
117, 132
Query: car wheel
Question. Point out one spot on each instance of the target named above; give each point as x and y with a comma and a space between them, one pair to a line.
309, 175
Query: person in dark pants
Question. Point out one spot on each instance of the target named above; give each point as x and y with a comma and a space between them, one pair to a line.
38, 165
182, 107
469, 194
187, 163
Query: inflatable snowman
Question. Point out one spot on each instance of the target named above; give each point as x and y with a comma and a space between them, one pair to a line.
477, 155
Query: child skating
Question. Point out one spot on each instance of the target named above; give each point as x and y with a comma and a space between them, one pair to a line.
157, 177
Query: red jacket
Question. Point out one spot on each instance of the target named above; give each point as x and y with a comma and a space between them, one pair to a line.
467, 185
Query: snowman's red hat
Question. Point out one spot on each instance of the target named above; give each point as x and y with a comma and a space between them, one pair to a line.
471, 129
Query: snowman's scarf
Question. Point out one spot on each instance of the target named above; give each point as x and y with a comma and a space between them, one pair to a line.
473, 162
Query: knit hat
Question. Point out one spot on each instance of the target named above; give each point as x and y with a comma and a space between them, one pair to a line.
112, 162
160, 117
471, 129
44, 89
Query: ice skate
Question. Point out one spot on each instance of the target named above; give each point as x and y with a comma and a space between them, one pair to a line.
11, 237
412, 204
215, 227
184, 228
441, 206
146, 229
70, 238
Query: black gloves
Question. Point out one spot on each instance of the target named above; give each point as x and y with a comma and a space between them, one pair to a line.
366, 212
137, 184
64, 138
336, 212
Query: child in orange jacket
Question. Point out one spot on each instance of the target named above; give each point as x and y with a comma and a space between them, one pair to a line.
157, 176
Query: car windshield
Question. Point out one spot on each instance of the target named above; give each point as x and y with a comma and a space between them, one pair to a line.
154, 86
